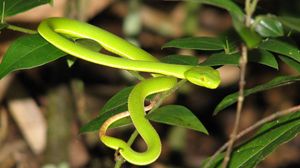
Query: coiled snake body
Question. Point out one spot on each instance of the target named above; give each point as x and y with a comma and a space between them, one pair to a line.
57, 31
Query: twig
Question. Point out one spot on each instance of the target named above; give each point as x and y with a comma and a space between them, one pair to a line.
243, 64
21, 29
253, 127
3, 11
249, 9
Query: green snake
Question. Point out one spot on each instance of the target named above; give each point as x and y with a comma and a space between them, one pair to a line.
58, 32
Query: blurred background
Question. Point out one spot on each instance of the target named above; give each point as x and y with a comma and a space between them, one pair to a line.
43, 108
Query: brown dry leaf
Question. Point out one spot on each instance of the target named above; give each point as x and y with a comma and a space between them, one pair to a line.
78, 154
229, 75
8, 150
3, 125
151, 18
31, 122
4, 84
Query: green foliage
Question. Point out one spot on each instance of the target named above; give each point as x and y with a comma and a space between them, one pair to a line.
268, 26
178, 116
171, 115
180, 59
197, 43
263, 57
290, 22
12, 7
117, 102
261, 38
28, 52
228, 5
291, 63
257, 56
276, 82
267, 139
221, 59
281, 47
250, 37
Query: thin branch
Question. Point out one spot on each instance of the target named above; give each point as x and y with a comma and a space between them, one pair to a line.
254, 127
250, 7
243, 64
3, 11
21, 29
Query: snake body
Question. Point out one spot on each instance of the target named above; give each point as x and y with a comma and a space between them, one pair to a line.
145, 129
58, 32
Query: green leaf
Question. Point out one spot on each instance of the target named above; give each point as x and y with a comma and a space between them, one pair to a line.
221, 59
180, 59
281, 47
257, 56
251, 38
230, 6
89, 44
96, 123
268, 26
117, 102
290, 22
292, 63
263, 57
197, 43
266, 140
27, 52
178, 116
276, 82
12, 7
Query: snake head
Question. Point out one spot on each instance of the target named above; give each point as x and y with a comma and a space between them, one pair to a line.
203, 76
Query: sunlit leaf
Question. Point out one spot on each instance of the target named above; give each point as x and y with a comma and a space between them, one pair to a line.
268, 26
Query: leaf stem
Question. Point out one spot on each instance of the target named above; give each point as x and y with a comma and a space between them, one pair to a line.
3, 11
21, 29
253, 127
